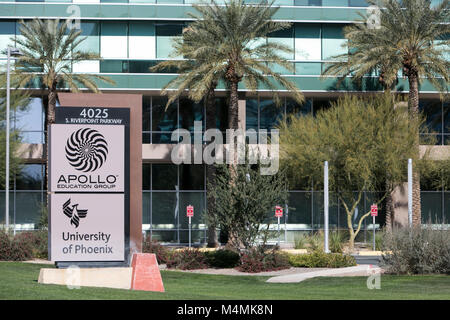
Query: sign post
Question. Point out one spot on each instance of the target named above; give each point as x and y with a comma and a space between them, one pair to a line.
285, 223
326, 207
278, 214
373, 213
190, 214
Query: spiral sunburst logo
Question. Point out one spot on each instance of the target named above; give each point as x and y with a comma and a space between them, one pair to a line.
86, 149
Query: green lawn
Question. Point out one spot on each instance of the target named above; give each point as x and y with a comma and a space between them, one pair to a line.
19, 281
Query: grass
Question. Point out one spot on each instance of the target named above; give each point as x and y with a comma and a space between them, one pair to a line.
19, 281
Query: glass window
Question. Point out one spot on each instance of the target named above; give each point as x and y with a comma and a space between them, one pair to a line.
300, 209
164, 176
292, 107
308, 45
113, 66
142, 40
196, 199
140, 66
190, 112
222, 114
164, 205
284, 37
146, 176
251, 114
322, 104
32, 118
270, 113
283, 2
146, 107
114, 42
446, 207
358, 3
431, 203
432, 110
334, 3
169, 1
28, 206
308, 2
146, 210
332, 41
192, 177
90, 30
162, 119
308, 68
162, 137
7, 31
446, 117
31, 177
165, 33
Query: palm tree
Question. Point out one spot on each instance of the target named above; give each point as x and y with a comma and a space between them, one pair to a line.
49, 50
237, 56
412, 37
217, 47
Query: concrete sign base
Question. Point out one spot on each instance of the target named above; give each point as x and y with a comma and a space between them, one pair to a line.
117, 278
146, 275
143, 275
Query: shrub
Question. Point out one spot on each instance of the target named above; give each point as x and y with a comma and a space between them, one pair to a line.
315, 242
5, 246
320, 259
300, 242
416, 251
15, 249
335, 242
187, 259
153, 246
35, 242
257, 260
379, 236
222, 258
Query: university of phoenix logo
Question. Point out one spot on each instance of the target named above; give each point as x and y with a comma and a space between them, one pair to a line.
73, 213
86, 149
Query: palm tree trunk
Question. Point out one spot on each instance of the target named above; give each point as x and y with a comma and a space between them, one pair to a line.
233, 110
210, 169
50, 119
51, 104
233, 123
413, 103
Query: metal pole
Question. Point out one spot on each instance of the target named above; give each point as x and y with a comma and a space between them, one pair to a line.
373, 226
189, 232
326, 203
7, 139
410, 186
285, 223
278, 231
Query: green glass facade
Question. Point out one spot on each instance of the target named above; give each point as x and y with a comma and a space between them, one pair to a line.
132, 36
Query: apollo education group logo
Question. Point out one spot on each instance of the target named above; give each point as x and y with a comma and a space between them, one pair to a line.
86, 149
87, 158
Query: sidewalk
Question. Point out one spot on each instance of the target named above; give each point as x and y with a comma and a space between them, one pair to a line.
361, 270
